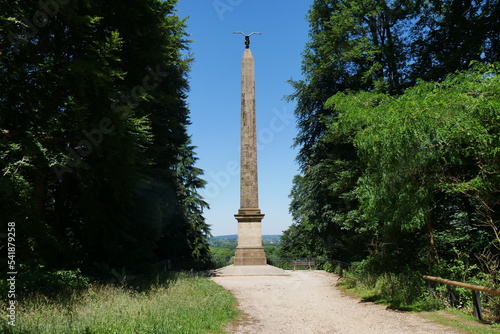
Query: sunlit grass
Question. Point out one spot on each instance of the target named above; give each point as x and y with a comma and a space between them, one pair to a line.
458, 319
187, 305
395, 291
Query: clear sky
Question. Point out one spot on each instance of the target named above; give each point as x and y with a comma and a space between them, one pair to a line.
214, 101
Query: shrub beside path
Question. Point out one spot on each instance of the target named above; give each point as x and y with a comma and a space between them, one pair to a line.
308, 302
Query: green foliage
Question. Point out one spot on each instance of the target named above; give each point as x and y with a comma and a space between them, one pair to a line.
405, 291
38, 280
449, 34
329, 268
272, 251
97, 166
433, 142
181, 304
396, 172
225, 243
218, 252
429, 182
381, 47
222, 251
298, 242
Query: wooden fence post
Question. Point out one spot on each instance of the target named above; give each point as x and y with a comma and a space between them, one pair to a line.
430, 290
476, 299
476, 292
453, 299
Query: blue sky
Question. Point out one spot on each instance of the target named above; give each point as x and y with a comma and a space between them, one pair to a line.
214, 101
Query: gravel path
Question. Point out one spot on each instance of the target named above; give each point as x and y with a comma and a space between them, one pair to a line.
308, 302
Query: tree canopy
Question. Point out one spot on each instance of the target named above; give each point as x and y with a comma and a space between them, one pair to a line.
392, 139
430, 159
97, 166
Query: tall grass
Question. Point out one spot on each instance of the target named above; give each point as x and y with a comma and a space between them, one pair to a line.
408, 291
404, 291
186, 305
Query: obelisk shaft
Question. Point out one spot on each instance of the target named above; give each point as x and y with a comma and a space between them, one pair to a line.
249, 198
249, 250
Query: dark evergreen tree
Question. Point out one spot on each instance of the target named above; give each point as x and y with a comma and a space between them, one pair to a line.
93, 132
185, 236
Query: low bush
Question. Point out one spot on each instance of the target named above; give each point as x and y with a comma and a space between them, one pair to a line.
398, 290
38, 280
408, 291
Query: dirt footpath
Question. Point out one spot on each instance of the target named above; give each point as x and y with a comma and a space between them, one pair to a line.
308, 302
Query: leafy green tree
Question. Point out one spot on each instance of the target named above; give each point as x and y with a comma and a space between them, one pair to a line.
272, 251
354, 45
378, 47
324, 208
429, 158
299, 241
218, 252
449, 34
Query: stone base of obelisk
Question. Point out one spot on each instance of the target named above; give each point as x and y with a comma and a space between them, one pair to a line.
250, 257
249, 251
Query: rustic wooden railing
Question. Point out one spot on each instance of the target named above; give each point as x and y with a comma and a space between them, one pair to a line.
476, 292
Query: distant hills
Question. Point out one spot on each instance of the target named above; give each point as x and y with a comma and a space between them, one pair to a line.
275, 237
231, 240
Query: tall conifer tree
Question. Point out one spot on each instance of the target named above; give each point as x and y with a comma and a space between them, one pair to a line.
93, 129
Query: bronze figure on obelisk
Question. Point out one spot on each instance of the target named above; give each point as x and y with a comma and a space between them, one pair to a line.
249, 250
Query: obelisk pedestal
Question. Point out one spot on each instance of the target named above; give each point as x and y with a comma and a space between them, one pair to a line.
249, 250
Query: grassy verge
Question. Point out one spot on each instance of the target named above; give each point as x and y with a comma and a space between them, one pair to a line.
183, 305
403, 293
465, 323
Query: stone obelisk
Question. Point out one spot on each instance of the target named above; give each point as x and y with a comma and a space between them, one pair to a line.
249, 250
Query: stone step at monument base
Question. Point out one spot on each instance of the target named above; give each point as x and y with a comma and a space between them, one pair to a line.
250, 256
